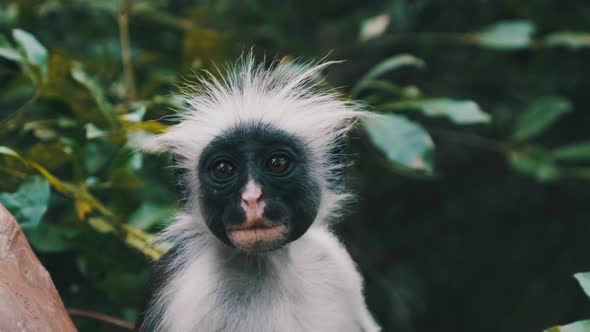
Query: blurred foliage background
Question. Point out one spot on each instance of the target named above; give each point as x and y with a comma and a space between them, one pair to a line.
473, 191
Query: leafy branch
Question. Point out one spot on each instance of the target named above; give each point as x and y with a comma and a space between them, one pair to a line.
503, 35
85, 203
408, 144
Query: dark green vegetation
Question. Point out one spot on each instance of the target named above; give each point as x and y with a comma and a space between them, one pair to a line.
474, 193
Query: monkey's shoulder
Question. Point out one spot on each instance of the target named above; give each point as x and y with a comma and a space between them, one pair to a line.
322, 249
322, 254
327, 284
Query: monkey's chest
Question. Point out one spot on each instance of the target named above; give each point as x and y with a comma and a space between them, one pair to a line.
314, 287
282, 307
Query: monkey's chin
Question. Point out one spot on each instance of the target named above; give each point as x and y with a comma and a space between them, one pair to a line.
258, 239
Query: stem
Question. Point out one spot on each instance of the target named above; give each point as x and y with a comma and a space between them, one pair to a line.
7, 122
13, 172
126, 49
102, 317
471, 139
142, 242
163, 17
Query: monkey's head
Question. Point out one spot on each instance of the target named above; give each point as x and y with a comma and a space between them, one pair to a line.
257, 152
257, 191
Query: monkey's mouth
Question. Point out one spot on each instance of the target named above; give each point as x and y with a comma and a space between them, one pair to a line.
259, 237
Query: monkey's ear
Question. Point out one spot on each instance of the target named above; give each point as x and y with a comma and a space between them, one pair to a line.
156, 145
176, 139
182, 190
152, 143
146, 142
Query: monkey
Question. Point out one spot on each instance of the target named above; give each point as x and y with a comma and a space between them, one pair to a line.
252, 248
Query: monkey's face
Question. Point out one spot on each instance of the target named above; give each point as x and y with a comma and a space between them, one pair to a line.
256, 191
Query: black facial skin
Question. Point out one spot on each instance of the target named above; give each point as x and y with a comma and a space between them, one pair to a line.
246, 152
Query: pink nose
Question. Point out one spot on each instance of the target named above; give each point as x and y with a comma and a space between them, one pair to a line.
252, 202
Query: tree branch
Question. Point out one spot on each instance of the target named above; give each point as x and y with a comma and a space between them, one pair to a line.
102, 317
124, 39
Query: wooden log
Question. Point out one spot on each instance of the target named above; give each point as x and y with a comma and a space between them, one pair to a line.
28, 299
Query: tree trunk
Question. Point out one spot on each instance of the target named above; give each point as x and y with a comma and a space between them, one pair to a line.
28, 299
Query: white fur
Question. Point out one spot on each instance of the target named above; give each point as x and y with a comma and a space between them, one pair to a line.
310, 284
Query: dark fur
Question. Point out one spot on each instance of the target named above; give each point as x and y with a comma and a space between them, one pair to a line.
290, 198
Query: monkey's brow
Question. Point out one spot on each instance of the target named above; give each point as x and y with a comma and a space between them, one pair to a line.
267, 136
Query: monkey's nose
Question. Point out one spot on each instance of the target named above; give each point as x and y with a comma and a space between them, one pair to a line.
252, 202
252, 194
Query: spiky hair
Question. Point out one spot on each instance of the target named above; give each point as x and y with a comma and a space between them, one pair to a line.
283, 95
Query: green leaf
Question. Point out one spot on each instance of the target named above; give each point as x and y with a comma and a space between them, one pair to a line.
581, 326
7, 51
124, 178
584, 280
373, 27
110, 5
8, 151
391, 89
458, 111
541, 114
35, 52
150, 214
101, 225
385, 66
97, 92
8, 14
136, 112
96, 155
51, 156
51, 238
506, 35
403, 142
579, 151
93, 131
29, 203
536, 163
121, 284
570, 39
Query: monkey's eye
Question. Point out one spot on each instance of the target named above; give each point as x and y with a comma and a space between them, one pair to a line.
278, 164
223, 170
